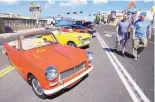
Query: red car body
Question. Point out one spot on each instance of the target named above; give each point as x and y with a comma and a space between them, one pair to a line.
35, 62
67, 29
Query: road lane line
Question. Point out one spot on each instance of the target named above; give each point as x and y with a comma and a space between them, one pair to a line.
6, 71
126, 81
120, 75
114, 33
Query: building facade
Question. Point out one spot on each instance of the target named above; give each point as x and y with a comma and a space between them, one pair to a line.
14, 24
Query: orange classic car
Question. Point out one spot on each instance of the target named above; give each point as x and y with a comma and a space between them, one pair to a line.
47, 66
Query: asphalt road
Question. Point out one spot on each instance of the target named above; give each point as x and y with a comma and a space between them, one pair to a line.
142, 71
103, 84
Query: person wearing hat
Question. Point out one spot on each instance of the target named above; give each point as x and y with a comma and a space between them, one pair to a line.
141, 33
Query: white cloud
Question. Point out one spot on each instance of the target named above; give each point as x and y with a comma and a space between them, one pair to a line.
9, 1
47, 5
148, 0
73, 3
99, 1
50, 2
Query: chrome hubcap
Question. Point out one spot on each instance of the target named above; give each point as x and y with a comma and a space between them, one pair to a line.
37, 87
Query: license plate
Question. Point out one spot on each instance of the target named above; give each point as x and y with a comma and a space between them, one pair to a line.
86, 42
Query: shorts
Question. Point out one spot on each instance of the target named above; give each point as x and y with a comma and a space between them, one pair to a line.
122, 39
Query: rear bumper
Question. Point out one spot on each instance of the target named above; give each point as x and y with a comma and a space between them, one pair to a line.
52, 91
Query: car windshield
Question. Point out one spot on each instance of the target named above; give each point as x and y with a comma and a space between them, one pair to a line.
39, 40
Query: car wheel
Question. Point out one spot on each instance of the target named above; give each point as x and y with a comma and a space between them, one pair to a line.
72, 44
37, 87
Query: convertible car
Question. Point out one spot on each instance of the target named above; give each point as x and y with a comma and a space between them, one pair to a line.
47, 66
70, 38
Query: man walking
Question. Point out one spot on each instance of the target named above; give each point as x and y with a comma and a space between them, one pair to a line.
141, 31
122, 34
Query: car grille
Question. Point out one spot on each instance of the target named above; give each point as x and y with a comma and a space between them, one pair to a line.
71, 71
86, 40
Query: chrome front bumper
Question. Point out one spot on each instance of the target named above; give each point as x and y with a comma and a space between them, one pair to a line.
84, 43
52, 91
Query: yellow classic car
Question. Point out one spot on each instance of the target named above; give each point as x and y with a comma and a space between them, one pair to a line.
70, 38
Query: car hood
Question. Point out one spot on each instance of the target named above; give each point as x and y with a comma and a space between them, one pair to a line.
60, 56
75, 34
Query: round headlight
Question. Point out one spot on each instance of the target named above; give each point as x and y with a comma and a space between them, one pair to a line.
90, 55
51, 73
80, 38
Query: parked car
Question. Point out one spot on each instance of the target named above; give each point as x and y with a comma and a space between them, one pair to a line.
78, 22
48, 66
88, 24
70, 38
49, 26
78, 28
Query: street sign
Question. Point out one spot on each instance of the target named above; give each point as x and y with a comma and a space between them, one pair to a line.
35, 10
130, 5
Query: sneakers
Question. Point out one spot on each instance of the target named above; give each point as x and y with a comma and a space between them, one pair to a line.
135, 58
116, 50
123, 54
138, 56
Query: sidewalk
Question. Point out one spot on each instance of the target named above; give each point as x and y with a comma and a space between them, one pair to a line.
5, 35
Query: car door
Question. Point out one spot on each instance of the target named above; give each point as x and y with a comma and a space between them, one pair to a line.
76, 29
14, 57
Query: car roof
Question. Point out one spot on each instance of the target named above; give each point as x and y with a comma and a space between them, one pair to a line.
77, 25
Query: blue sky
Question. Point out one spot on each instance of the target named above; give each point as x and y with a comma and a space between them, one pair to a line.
55, 9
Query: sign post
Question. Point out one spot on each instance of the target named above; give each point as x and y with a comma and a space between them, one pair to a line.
35, 12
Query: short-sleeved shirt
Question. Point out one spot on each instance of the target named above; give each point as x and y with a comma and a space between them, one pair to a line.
123, 27
141, 28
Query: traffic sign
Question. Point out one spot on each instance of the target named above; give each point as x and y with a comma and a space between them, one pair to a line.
130, 5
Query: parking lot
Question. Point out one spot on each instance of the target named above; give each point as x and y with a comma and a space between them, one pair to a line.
113, 79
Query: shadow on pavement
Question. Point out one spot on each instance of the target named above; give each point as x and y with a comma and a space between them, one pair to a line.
85, 47
66, 90
126, 54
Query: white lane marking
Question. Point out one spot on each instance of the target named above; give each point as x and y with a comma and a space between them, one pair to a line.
107, 35
106, 32
120, 75
113, 33
116, 65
